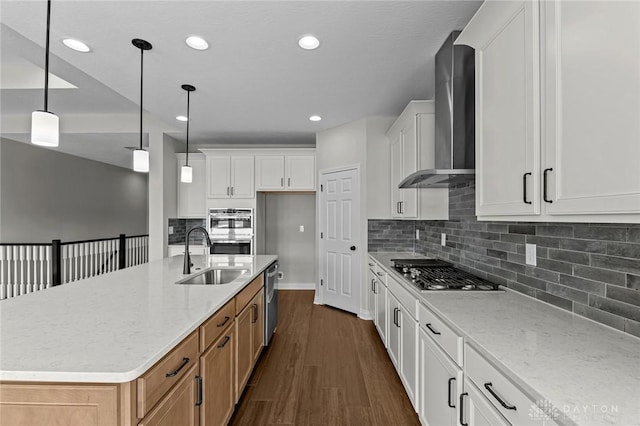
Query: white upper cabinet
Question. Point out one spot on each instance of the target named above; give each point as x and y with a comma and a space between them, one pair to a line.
412, 148
192, 196
557, 107
230, 176
592, 108
285, 172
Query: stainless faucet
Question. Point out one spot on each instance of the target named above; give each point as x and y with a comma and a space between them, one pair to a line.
187, 259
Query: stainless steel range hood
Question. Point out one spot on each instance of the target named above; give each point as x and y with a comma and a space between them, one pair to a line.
455, 119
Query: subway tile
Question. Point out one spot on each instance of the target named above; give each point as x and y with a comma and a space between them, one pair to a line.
623, 294
600, 233
616, 263
513, 238
543, 241
553, 265
554, 230
624, 250
583, 284
633, 235
514, 267
497, 253
558, 301
615, 307
600, 316
522, 229
602, 275
633, 281
524, 289
532, 282
589, 246
568, 293
543, 274
569, 256
632, 327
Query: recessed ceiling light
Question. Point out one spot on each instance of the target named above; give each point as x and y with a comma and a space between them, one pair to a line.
315, 118
308, 42
76, 45
197, 43
181, 118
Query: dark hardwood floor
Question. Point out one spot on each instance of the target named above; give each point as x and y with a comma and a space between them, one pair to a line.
323, 367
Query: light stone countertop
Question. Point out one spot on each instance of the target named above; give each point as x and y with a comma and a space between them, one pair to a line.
114, 327
588, 371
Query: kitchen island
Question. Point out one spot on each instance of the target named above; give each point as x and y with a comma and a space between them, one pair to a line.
113, 328
571, 370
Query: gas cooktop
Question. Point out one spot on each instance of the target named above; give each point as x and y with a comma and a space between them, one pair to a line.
435, 274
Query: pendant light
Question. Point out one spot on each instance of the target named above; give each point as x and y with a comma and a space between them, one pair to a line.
186, 173
45, 124
141, 156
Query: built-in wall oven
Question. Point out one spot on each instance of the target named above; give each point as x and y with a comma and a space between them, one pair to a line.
231, 231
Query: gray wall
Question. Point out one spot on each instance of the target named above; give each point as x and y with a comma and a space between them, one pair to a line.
50, 195
592, 270
284, 213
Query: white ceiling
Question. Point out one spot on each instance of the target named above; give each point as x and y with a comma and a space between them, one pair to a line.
254, 84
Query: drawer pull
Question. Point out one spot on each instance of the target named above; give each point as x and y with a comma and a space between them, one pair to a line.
371, 264
199, 389
224, 343
544, 186
489, 387
226, 320
462, 409
431, 329
255, 313
379, 274
449, 403
175, 372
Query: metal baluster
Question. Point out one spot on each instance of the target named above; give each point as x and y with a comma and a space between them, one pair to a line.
41, 251
63, 264
16, 287
3, 290
21, 264
47, 256
29, 258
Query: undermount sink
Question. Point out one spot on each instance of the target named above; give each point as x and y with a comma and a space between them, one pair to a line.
214, 276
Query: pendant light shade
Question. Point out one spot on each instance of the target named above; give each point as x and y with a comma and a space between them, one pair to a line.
45, 129
186, 172
141, 156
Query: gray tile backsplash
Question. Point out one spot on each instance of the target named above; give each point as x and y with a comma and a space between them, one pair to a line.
592, 270
180, 228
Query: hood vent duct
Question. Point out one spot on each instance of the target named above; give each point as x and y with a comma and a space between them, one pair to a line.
455, 119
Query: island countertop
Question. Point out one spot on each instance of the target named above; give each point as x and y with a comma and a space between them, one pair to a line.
590, 373
113, 327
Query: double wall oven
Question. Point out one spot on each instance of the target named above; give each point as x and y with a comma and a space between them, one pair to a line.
231, 231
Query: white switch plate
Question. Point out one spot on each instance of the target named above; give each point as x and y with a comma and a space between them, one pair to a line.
171, 230
443, 239
530, 254
417, 234
301, 228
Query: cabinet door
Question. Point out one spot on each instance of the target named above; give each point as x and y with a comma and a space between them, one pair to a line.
408, 354
409, 206
381, 312
477, 411
242, 177
257, 325
396, 176
592, 88
440, 385
218, 380
244, 348
505, 37
178, 407
371, 293
301, 172
393, 342
270, 173
192, 197
218, 176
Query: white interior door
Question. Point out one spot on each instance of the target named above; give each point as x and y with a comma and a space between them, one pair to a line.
340, 251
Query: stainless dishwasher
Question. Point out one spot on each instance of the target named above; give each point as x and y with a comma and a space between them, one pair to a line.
270, 302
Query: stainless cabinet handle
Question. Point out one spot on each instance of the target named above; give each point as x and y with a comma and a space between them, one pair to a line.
489, 386
431, 329
544, 185
224, 342
289, 182
395, 311
398, 207
379, 274
199, 389
228, 191
373, 280
375, 287
371, 264
449, 403
255, 313
232, 191
398, 318
524, 187
175, 372
281, 181
401, 209
462, 409
226, 320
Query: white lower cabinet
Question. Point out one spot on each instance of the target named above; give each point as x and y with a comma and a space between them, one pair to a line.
393, 335
380, 318
371, 292
408, 353
476, 410
440, 385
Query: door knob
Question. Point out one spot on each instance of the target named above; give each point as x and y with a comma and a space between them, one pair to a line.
353, 248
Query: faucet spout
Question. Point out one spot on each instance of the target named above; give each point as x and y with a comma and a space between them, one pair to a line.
186, 269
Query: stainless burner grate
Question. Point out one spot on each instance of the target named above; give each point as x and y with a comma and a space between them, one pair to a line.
439, 275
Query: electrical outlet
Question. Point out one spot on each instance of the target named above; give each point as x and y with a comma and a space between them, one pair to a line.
171, 230
301, 228
443, 239
280, 275
417, 234
530, 254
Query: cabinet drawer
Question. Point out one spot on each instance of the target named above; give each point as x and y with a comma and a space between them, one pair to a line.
406, 299
244, 297
443, 335
153, 384
214, 326
508, 399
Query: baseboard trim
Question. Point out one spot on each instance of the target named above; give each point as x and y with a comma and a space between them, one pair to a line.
296, 286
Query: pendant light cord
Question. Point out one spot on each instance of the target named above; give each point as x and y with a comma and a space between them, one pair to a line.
46, 59
188, 119
141, 81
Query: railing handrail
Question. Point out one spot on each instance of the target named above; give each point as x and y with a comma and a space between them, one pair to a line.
96, 240
137, 236
25, 244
